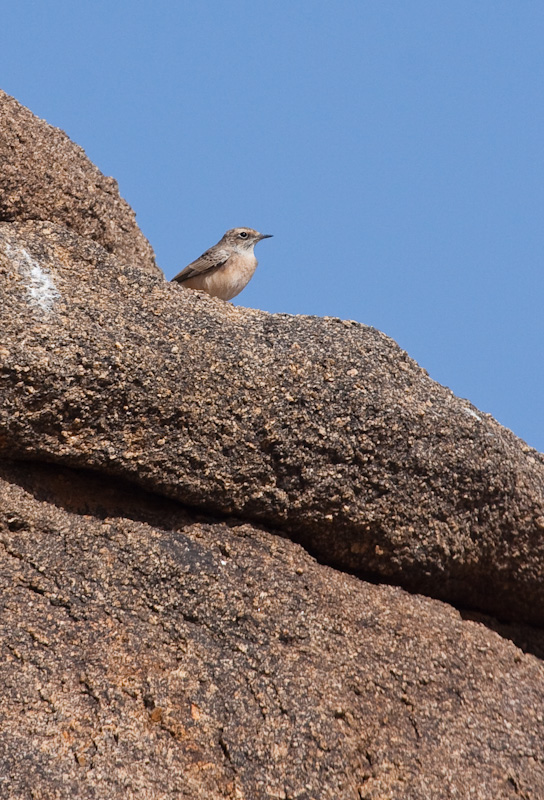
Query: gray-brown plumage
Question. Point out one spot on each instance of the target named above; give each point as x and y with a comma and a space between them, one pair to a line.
227, 267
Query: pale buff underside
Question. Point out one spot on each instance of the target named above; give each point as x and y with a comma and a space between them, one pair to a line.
227, 281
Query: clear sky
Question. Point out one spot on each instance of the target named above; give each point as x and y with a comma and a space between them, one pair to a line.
395, 150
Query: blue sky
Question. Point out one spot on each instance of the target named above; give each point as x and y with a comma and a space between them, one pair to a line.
394, 149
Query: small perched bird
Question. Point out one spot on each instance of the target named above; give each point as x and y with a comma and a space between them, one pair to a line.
227, 267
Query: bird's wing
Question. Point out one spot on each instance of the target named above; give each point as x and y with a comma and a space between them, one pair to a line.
208, 262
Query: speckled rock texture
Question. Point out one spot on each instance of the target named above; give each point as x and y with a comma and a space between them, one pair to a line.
147, 653
322, 429
44, 175
171, 466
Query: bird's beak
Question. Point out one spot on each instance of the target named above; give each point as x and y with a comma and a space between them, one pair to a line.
265, 236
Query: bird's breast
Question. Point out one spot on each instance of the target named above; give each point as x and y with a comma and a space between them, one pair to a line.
229, 280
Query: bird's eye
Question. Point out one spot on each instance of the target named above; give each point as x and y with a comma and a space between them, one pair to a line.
243, 234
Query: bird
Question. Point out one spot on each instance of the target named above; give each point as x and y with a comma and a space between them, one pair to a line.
227, 267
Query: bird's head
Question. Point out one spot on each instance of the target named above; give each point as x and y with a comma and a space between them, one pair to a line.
244, 238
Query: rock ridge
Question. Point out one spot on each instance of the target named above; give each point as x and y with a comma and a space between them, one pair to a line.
45, 176
324, 429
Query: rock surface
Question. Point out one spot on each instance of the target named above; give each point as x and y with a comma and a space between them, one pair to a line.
323, 429
146, 653
45, 176
161, 637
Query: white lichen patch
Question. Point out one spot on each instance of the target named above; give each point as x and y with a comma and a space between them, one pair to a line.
38, 282
472, 413
42, 289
